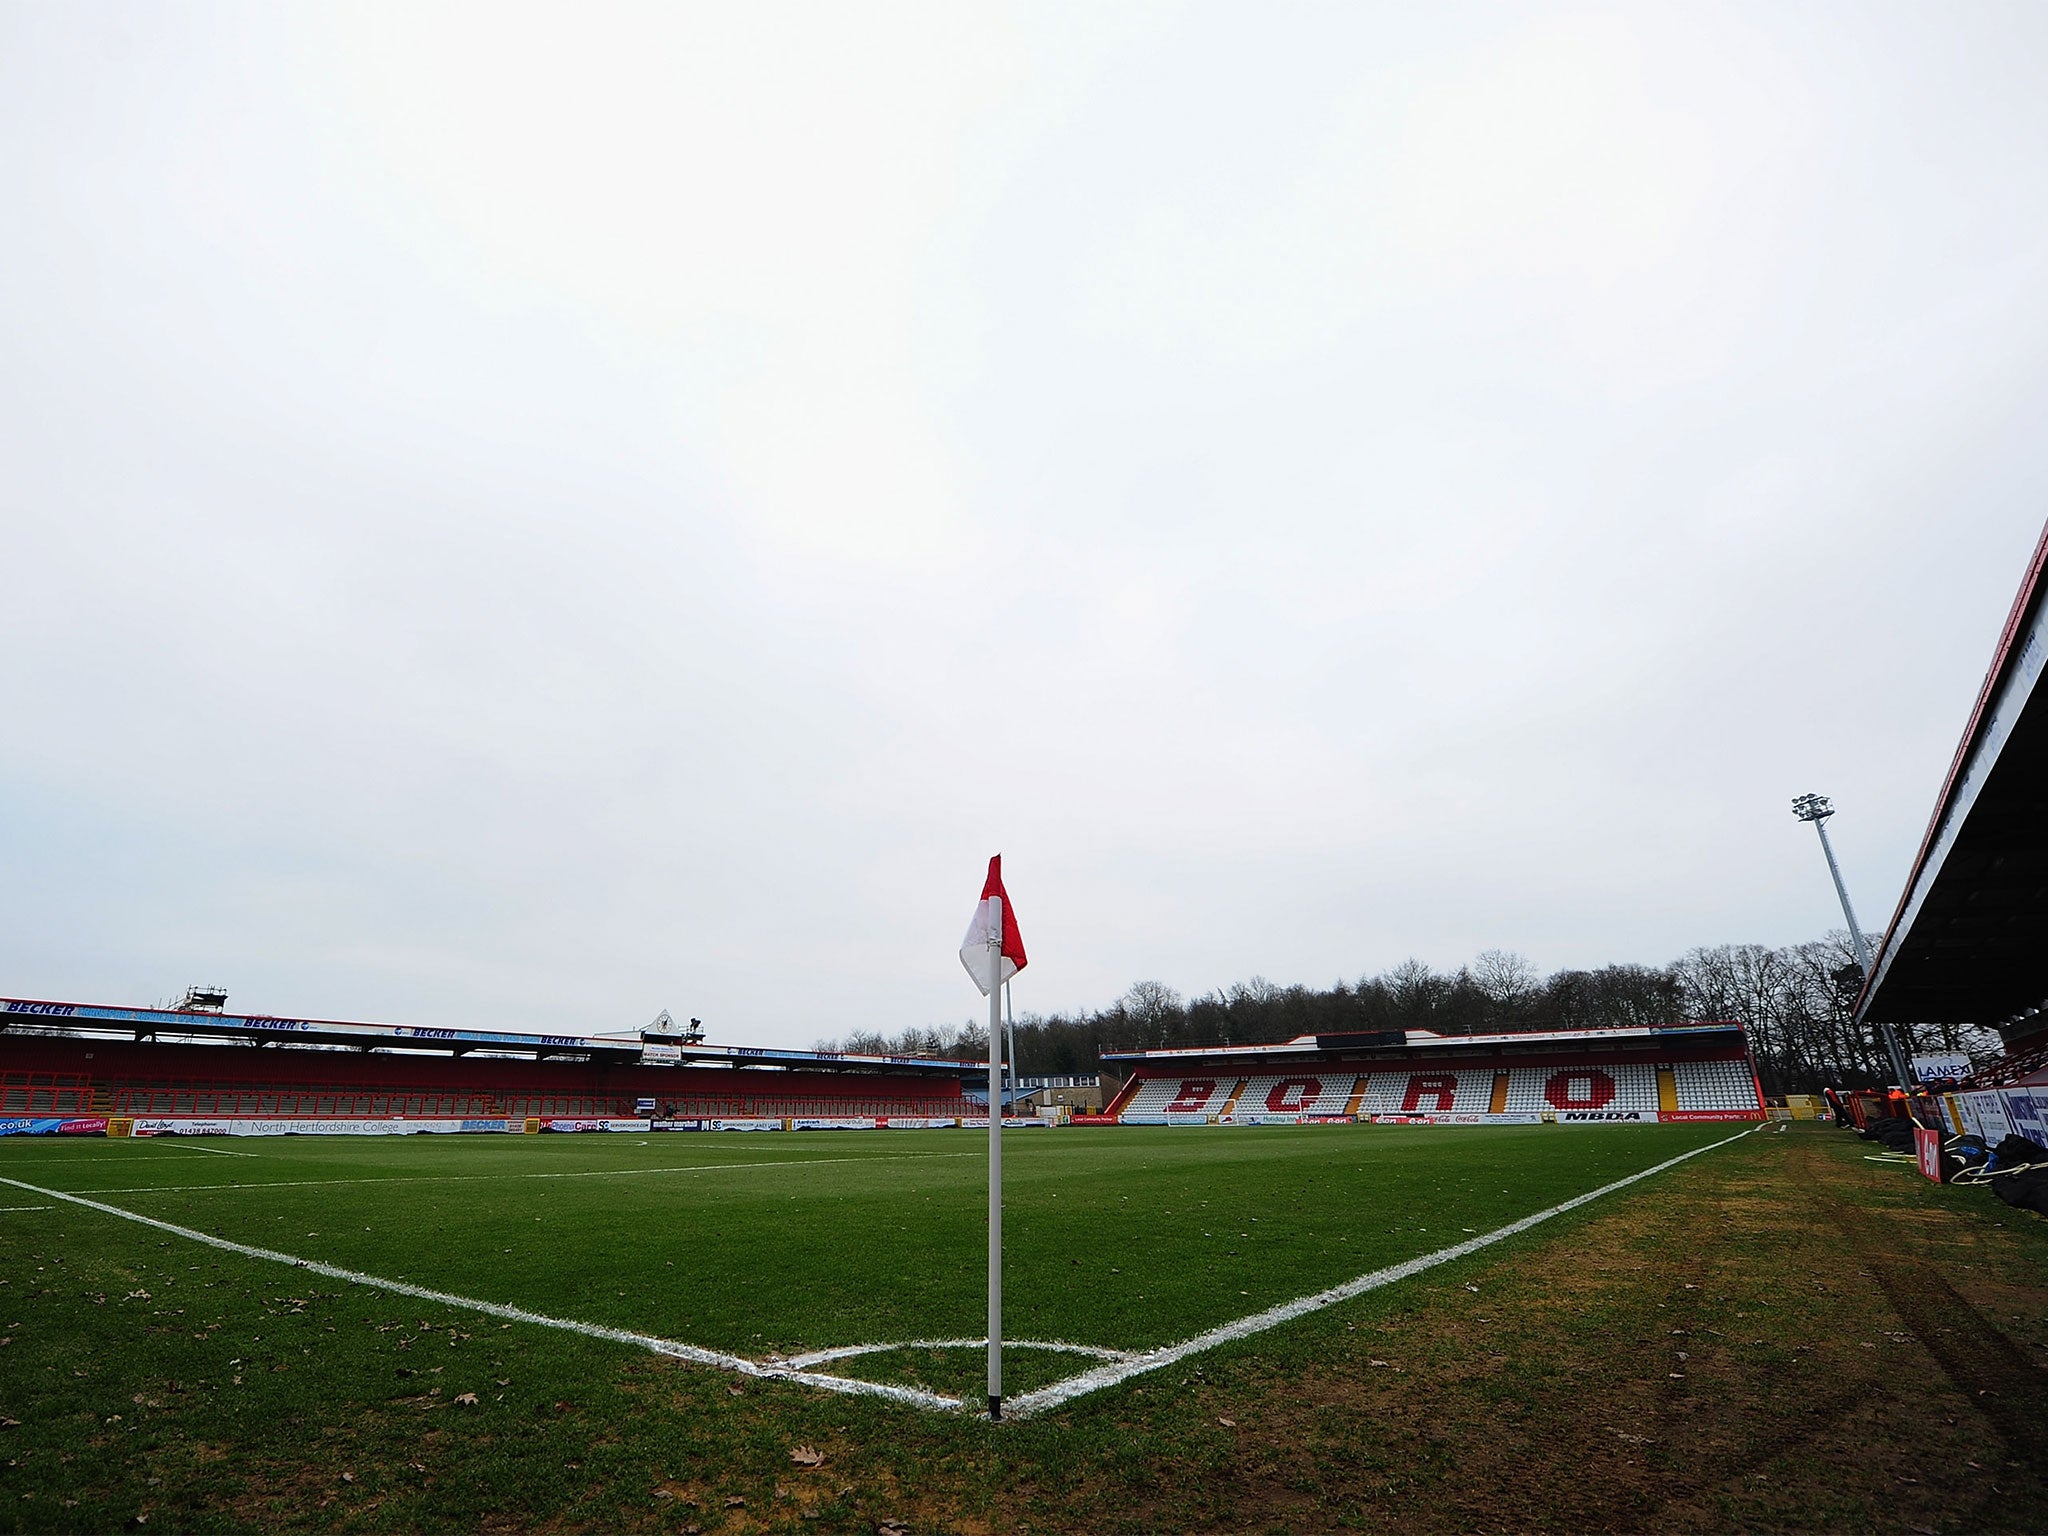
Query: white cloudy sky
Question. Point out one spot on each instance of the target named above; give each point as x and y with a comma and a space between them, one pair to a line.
527, 517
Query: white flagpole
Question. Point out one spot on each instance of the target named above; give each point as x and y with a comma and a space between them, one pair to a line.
995, 1160
1010, 1039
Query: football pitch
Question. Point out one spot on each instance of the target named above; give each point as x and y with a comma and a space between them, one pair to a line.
583, 1333
849, 1262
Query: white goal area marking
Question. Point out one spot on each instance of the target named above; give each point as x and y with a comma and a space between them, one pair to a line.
1118, 1365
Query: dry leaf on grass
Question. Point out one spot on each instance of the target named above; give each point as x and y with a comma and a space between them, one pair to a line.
1228, 1423
466, 1399
807, 1456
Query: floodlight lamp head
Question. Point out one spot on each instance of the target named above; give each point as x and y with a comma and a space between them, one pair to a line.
1813, 808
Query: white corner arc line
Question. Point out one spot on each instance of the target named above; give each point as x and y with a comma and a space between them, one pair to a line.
738, 1363
851, 1351
1258, 1322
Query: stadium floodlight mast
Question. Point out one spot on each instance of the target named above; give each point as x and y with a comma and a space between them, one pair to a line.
1817, 809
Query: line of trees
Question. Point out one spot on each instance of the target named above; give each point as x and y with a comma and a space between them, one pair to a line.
1795, 1001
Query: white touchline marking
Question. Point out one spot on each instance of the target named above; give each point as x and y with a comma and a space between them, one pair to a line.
222, 1152
1157, 1359
6, 1208
472, 1178
745, 1367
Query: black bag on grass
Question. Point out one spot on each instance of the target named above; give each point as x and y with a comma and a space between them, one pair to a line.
2026, 1190
2016, 1151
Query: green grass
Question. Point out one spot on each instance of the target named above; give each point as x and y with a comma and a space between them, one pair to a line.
1125, 1238
153, 1375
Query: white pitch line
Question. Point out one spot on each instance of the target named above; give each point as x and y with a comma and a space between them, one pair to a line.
221, 1152
5, 1209
737, 1363
849, 1351
1153, 1360
128, 1158
472, 1178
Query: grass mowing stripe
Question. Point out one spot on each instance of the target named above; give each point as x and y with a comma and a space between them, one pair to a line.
471, 1178
670, 1347
1109, 1375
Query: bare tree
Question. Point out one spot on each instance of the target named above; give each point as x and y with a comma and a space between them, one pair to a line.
1155, 1009
1508, 982
1797, 1003
1416, 992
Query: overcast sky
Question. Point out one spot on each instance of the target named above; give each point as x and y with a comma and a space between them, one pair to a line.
525, 518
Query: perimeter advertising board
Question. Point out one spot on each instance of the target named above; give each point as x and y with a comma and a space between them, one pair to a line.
194, 1125
54, 1125
1951, 1068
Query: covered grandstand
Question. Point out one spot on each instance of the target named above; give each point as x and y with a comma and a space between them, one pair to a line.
1968, 942
84, 1068
1416, 1077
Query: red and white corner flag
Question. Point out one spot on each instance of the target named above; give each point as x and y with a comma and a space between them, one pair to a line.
993, 952
976, 952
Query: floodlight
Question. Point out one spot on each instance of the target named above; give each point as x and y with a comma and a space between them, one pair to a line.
1817, 809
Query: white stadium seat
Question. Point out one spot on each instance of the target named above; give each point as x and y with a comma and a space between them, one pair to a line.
1714, 1085
1420, 1090
1162, 1100
1616, 1087
1297, 1093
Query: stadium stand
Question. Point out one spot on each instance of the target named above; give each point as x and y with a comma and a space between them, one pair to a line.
44, 1093
1964, 946
1676, 1072
52, 1075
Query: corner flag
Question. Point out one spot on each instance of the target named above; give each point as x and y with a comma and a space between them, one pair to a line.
993, 933
993, 952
